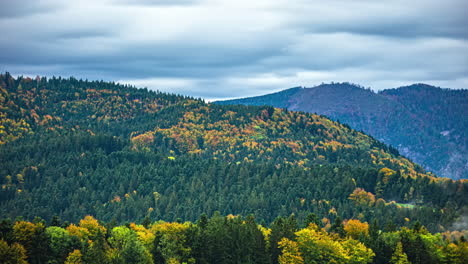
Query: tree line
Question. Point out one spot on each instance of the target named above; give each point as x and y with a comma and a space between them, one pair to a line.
225, 239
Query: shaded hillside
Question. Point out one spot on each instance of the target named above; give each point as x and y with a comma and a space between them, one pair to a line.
425, 123
73, 147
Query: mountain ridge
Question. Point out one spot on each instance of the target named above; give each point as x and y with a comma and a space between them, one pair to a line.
411, 118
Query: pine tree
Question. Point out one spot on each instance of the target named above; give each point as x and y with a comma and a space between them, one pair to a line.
338, 227
399, 257
312, 219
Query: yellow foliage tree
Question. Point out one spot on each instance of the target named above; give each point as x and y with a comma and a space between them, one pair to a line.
24, 232
75, 257
386, 174
145, 236
290, 252
361, 197
14, 254
315, 245
93, 226
80, 232
357, 252
355, 228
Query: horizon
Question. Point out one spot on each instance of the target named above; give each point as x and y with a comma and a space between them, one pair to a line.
223, 49
209, 100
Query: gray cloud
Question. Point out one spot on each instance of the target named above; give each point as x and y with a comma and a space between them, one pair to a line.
394, 18
22, 8
220, 49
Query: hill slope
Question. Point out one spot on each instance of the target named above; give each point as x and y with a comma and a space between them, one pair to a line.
425, 123
72, 147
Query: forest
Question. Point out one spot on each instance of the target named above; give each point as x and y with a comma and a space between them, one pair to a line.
226, 239
425, 123
313, 190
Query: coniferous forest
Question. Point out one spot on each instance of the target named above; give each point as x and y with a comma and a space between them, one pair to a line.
173, 179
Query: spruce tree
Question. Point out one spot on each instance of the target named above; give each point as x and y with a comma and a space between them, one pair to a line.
399, 257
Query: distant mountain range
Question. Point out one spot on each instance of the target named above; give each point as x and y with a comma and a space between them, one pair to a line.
425, 123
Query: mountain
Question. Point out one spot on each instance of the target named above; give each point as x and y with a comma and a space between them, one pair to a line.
425, 123
73, 148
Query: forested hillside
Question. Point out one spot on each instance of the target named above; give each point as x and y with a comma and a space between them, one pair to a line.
426, 123
73, 148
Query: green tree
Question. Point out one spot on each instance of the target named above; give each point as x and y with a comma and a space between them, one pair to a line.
338, 227
14, 254
312, 219
399, 257
129, 248
96, 251
60, 243
75, 257
281, 228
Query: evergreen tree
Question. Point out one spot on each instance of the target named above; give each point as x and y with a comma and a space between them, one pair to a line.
399, 257
312, 219
338, 227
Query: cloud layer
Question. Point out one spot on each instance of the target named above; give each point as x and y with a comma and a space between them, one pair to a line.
225, 49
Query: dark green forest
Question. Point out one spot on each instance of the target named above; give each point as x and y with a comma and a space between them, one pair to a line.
71, 148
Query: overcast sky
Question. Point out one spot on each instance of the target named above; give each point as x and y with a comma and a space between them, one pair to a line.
237, 48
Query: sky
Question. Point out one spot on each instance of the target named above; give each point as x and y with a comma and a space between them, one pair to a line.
218, 49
